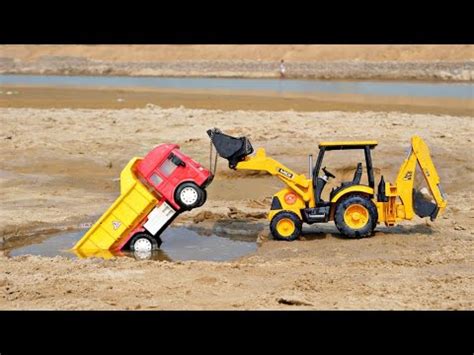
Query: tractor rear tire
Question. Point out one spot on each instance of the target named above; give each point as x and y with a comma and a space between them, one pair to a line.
356, 216
286, 225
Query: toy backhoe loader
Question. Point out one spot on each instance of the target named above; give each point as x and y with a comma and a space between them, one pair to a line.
355, 208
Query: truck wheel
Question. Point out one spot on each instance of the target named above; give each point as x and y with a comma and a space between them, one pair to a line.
143, 255
143, 242
188, 195
286, 225
203, 199
356, 216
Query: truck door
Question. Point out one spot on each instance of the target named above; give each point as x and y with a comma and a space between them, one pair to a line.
170, 172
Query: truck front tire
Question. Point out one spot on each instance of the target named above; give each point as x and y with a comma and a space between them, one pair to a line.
189, 196
203, 199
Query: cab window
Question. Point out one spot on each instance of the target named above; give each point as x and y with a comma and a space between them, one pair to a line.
168, 167
156, 179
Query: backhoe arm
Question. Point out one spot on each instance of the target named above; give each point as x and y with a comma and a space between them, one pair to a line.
298, 182
429, 171
420, 154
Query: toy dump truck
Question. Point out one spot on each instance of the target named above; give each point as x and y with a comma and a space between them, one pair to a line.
153, 191
355, 207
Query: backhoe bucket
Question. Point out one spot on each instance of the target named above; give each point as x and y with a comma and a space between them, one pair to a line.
231, 148
423, 205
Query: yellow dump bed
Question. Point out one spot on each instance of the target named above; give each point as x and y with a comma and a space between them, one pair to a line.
133, 204
99, 253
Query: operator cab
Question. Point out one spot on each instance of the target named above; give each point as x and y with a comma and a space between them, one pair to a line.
320, 181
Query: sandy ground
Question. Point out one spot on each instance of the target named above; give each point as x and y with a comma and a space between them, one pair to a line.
388, 62
59, 168
71, 97
148, 53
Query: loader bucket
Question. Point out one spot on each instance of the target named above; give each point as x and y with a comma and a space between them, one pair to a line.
231, 148
423, 205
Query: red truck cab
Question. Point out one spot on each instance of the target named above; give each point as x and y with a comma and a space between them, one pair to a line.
175, 176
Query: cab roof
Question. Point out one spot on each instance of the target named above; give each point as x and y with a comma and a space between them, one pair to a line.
348, 145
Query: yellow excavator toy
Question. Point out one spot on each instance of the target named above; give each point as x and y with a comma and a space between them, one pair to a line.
355, 208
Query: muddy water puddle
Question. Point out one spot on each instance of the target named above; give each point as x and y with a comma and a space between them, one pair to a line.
179, 243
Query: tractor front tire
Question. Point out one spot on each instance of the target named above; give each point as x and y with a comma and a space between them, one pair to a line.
356, 216
286, 225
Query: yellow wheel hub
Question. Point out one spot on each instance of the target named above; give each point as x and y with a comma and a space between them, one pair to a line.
285, 227
356, 216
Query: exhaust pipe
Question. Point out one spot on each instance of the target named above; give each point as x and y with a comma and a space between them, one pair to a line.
310, 166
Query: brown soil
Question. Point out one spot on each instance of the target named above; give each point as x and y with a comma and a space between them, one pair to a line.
148, 53
41, 97
387, 62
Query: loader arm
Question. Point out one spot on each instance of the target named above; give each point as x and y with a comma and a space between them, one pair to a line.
298, 182
419, 153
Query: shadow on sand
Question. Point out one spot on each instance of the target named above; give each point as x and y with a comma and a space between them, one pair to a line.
316, 232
